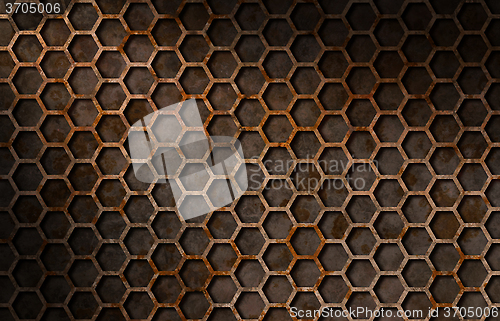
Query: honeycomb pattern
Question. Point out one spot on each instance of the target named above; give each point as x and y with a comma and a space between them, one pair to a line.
408, 88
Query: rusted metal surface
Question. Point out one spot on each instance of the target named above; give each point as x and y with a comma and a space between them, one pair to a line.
400, 94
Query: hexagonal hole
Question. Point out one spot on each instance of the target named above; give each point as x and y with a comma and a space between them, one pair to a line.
305, 145
389, 193
360, 209
444, 289
472, 241
277, 257
110, 257
110, 32
138, 241
222, 256
474, 74
221, 64
305, 10
166, 64
389, 289
360, 241
333, 128
416, 80
416, 241
472, 209
472, 145
388, 64
417, 48
333, 289
166, 257
416, 177
55, 32
361, 144
249, 241
333, 64
277, 64
138, 48
166, 289
110, 289
249, 48
249, 112
138, 305
277, 128
82, 48
27, 80
55, 257
333, 96
139, 80
361, 16
193, 48
110, 64
194, 80
55, 128
305, 48
83, 112
111, 128
389, 161
417, 144
360, 273
83, 16
417, 273
27, 299
444, 192
388, 96
249, 273
388, 32
417, 112
472, 273
138, 273
389, 225
55, 192
27, 177
83, 80
305, 80
360, 80
83, 241
138, 16
472, 16
417, 16
83, 273
388, 128
26, 48
492, 257
83, 177
221, 225
249, 305
388, 257
361, 48
277, 289
444, 64
222, 96
222, 32
416, 209
444, 160
444, 225
166, 32
222, 289
360, 112
110, 225
444, 257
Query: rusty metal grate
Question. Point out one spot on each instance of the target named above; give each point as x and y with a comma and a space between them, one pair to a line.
402, 95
